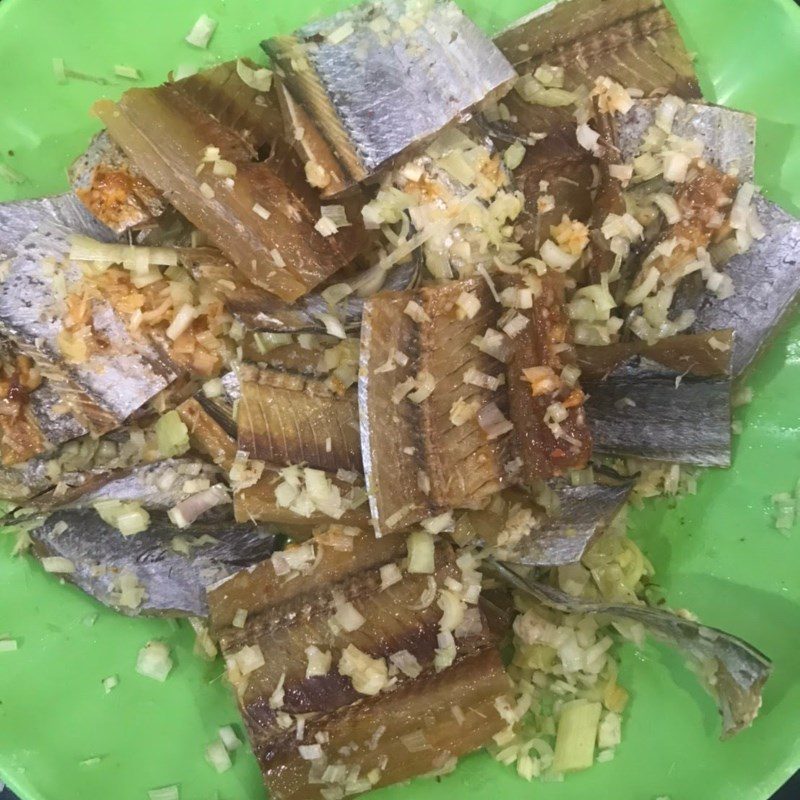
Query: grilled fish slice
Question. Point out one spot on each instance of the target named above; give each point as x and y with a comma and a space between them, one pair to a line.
409, 446
284, 617
289, 419
738, 670
398, 77
263, 217
121, 372
766, 282
166, 570
112, 189
546, 452
670, 401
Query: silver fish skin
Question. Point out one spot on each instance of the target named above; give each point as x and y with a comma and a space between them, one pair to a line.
728, 136
740, 670
638, 410
374, 94
110, 385
174, 583
584, 512
766, 281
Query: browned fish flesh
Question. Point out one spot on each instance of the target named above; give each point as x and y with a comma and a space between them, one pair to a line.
286, 617
285, 419
258, 207
547, 448
417, 462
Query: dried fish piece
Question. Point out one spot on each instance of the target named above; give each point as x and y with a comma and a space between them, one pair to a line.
206, 435
348, 610
733, 671
289, 419
399, 76
112, 189
161, 571
547, 445
120, 372
670, 401
260, 211
766, 282
405, 435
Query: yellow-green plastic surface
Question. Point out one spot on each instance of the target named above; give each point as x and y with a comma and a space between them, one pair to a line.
716, 553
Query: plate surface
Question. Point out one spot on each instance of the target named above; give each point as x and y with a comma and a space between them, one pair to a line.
716, 553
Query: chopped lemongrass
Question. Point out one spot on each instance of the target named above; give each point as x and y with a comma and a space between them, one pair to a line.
58, 565
206, 191
154, 661
420, 552
259, 79
110, 683
338, 35
348, 617
514, 155
8, 645
164, 793
59, 70
127, 72
577, 731
217, 756
239, 618
261, 211
319, 661
390, 575
228, 737
201, 32
172, 436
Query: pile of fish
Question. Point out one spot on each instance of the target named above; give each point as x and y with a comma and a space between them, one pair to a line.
308, 350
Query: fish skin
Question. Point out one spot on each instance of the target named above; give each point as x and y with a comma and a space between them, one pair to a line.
285, 419
354, 91
728, 135
741, 670
111, 188
766, 282
584, 513
109, 386
175, 583
688, 423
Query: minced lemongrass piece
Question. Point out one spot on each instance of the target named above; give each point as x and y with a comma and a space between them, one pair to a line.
493, 422
110, 683
325, 226
414, 310
261, 211
258, 79
676, 165
333, 325
440, 523
59, 70
477, 378
665, 113
425, 383
390, 575
555, 257
154, 661
249, 659
338, 35
239, 618
190, 508
172, 435
58, 565
369, 675
588, 138
318, 661
467, 305
223, 168
550, 76
612, 97
182, 321
621, 172
637, 295
206, 191
515, 326
8, 645
348, 616
420, 553
310, 752
228, 737
164, 793
462, 411
514, 155
277, 697
201, 32
406, 662
217, 756
577, 731
668, 205
125, 71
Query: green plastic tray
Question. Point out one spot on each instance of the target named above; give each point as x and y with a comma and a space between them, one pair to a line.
717, 552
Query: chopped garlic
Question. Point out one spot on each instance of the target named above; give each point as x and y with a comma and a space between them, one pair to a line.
369, 675
462, 411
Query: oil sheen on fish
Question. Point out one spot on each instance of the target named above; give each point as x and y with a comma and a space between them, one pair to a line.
736, 670
113, 190
258, 209
766, 282
417, 462
121, 372
382, 77
162, 571
285, 419
670, 401
362, 728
